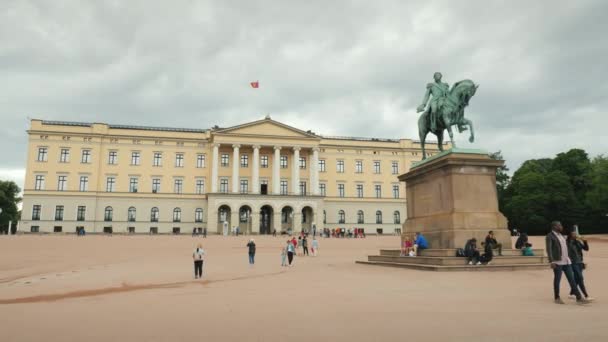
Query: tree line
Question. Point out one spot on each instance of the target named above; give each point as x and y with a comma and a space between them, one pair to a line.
571, 188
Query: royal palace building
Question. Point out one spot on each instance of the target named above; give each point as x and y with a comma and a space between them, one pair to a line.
261, 176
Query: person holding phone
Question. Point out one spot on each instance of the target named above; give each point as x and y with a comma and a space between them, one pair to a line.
576, 245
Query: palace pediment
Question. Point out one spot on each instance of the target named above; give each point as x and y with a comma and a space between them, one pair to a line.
266, 127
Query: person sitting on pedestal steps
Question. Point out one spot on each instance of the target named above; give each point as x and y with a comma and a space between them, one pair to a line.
420, 243
472, 252
522, 241
487, 255
491, 240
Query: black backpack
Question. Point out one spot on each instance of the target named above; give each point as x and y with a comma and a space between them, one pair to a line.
460, 252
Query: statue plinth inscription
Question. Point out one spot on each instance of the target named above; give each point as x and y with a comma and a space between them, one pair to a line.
462, 186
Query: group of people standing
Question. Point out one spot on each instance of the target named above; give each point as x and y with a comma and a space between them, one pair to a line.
293, 247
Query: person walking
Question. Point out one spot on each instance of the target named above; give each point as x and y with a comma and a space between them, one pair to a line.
304, 246
251, 246
557, 252
284, 256
314, 247
291, 250
576, 246
198, 256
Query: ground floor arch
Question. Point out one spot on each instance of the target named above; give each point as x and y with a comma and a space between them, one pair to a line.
266, 220
287, 219
245, 219
307, 218
224, 216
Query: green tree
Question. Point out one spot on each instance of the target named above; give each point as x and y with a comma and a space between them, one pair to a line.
9, 198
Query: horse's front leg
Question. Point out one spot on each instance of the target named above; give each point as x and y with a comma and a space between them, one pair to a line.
470, 124
449, 128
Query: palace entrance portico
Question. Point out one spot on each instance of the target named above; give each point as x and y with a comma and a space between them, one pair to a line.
263, 214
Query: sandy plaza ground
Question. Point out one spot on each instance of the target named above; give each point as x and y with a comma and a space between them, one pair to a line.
141, 288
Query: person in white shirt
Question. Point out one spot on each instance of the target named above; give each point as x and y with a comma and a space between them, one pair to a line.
198, 256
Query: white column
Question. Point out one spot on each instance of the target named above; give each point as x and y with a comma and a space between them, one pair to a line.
255, 173
214, 167
276, 171
314, 172
235, 168
10, 223
295, 172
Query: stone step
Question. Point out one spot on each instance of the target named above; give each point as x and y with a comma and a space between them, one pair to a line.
456, 261
452, 252
466, 268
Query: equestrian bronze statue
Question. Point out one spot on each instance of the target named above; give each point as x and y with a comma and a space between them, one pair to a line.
445, 109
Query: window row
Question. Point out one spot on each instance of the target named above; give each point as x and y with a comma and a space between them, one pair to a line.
264, 161
341, 190
111, 182
340, 166
361, 217
109, 214
86, 155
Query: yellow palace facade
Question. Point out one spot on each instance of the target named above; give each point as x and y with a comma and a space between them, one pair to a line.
261, 177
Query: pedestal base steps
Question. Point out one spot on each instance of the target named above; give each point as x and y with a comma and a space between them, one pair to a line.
446, 260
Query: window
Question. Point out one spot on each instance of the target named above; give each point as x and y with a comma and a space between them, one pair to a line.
39, 184
198, 215
264, 161
395, 167
134, 158
341, 216
225, 160
303, 188
360, 190
397, 217
200, 161
244, 186
395, 191
340, 190
284, 161
131, 214
35, 229
321, 165
155, 185
223, 185
359, 166
158, 159
59, 213
112, 157
340, 166
303, 163
178, 186
378, 189
64, 156
133, 184
323, 189
110, 184
378, 217
284, 190
81, 213
154, 215
84, 183
36, 209
86, 156
179, 160
200, 186
43, 154
244, 160
360, 217
177, 215
108, 213
376, 166
62, 183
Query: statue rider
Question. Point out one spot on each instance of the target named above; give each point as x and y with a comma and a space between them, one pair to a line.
439, 90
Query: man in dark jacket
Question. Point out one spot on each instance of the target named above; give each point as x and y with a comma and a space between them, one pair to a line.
557, 251
471, 252
491, 241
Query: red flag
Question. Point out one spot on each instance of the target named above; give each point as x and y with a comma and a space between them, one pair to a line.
255, 84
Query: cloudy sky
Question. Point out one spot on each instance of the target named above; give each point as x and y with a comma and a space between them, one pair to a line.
354, 68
